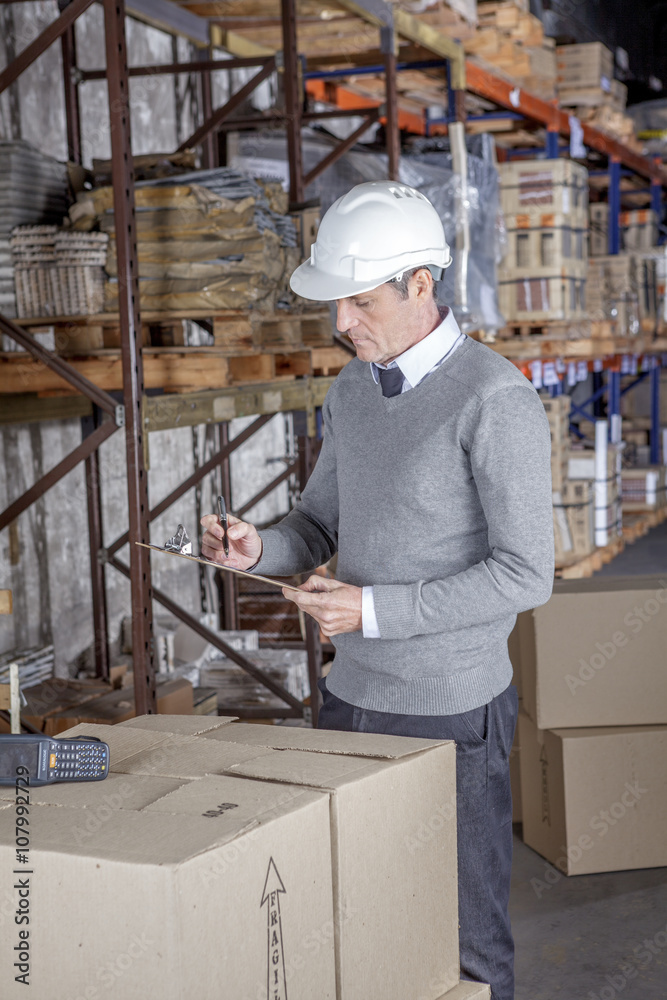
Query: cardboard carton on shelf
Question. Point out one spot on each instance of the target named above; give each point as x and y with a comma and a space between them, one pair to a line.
594, 654
174, 697
594, 799
643, 489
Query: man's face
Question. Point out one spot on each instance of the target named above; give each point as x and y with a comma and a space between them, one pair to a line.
380, 324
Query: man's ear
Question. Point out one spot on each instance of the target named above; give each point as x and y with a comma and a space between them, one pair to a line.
422, 283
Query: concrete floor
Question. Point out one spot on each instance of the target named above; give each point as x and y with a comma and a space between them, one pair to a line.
593, 937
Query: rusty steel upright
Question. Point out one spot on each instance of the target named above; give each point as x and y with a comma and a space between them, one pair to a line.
130, 330
293, 102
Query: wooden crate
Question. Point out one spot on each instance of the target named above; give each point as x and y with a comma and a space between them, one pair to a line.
535, 299
543, 245
587, 65
538, 187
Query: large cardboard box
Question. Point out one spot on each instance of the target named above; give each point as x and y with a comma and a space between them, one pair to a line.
393, 816
594, 800
348, 839
594, 654
151, 887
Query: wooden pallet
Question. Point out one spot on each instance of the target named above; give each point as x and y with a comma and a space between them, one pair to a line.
582, 566
545, 348
594, 329
637, 525
237, 331
174, 369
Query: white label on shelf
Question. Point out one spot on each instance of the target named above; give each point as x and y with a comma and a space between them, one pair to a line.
597, 365
536, 373
549, 375
577, 148
582, 371
571, 373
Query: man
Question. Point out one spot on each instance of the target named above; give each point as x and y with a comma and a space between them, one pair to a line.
434, 487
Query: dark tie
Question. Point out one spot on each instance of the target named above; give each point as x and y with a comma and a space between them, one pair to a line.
391, 380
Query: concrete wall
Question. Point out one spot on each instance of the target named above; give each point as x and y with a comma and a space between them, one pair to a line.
44, 555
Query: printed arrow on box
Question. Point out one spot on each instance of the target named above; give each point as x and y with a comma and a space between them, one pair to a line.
276, 980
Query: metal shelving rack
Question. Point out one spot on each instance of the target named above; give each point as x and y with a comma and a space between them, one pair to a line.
102, 414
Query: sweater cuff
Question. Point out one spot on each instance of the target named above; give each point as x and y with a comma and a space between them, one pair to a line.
395, 610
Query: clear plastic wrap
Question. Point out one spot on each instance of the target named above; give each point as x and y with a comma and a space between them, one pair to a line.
475, 307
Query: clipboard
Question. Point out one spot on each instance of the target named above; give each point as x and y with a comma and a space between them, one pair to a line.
226, 569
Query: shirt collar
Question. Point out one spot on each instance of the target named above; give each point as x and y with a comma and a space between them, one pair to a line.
419, 359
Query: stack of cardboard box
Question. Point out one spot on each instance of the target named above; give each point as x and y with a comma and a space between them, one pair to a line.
543, 275
593, 725
282, 862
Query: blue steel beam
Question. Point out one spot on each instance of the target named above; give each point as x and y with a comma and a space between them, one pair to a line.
552, 145
614, 199
655, 412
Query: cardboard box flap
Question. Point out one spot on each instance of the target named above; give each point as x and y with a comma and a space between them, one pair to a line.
229, 806
125, 837
122, 742
187, 757
186, 725
327, 771
117, 791
595, 732
322, 740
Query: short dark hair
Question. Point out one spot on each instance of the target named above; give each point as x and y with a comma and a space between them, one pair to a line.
400, 285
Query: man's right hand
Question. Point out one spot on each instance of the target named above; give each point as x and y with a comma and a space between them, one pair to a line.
245, 545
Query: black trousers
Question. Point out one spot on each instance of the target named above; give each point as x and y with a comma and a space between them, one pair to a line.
483, 740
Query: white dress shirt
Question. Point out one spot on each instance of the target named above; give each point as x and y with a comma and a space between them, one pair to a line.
417, 363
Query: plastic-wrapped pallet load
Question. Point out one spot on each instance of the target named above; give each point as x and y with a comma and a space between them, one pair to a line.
429, 169
213, 239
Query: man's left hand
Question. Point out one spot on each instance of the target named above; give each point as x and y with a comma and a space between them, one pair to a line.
335, 606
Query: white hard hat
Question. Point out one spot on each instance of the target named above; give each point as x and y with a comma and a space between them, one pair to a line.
371, 235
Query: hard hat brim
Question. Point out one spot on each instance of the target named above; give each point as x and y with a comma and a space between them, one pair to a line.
310, 283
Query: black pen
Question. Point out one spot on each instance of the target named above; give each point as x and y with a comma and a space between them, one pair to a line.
222, 517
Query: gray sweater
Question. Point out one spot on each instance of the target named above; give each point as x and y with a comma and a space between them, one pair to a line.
440, 498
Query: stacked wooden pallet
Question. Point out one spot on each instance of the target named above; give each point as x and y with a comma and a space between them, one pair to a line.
586, 84
512, 40
543, 275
